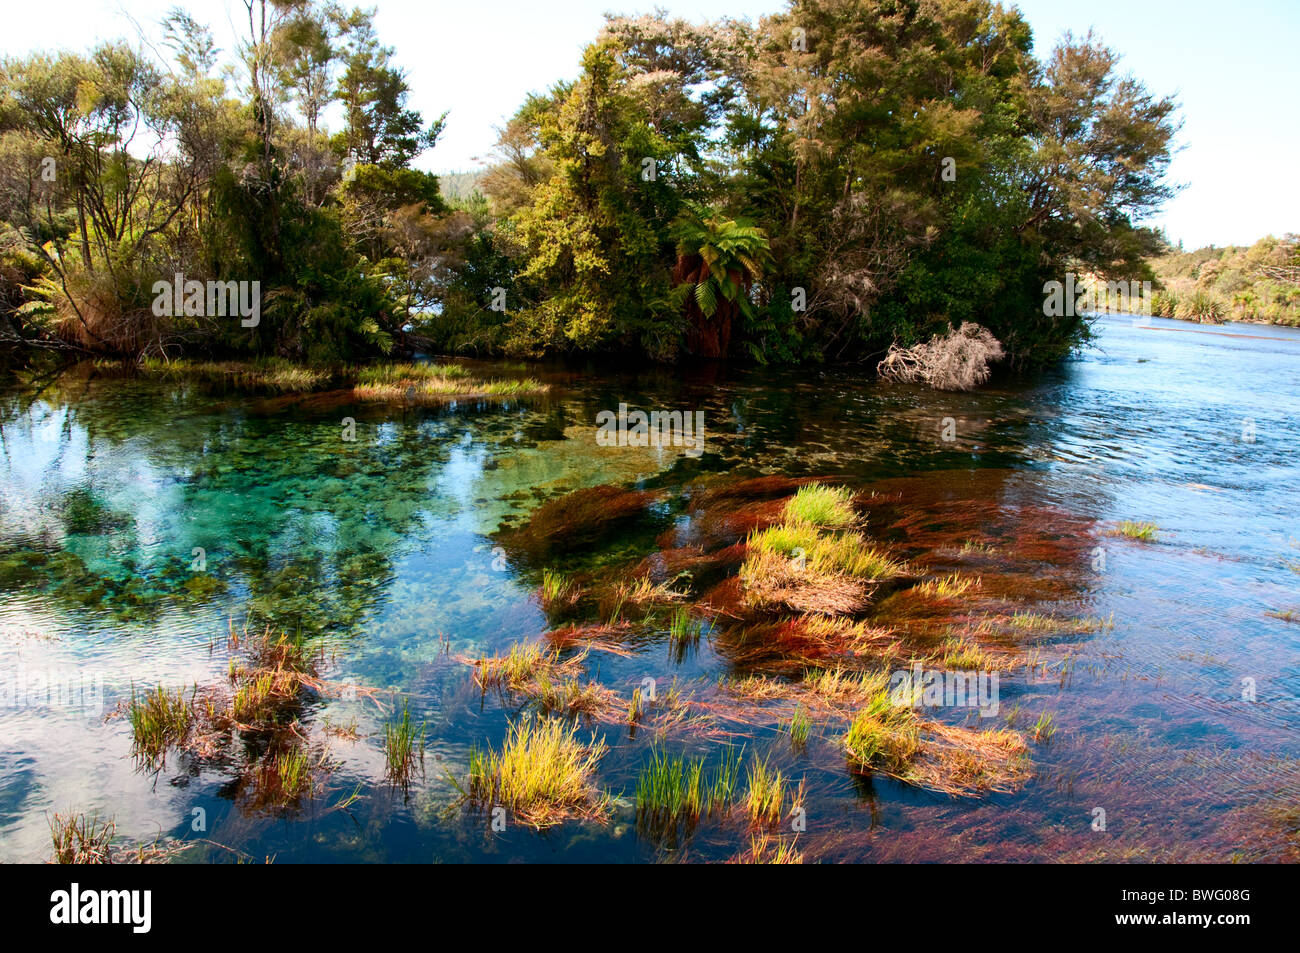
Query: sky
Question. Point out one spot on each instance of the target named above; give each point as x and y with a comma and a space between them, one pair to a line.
1235, 69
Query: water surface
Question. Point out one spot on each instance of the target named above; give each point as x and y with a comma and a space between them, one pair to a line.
389, 550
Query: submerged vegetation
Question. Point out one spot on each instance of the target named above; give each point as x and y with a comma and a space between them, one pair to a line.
815, 539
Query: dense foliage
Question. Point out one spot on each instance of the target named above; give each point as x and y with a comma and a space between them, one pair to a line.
1259, 283
819, 185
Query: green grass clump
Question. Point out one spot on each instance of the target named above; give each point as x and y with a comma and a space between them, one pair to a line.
765, 796
396, 372
1044, 728
670, 789
814, 561
292, 773
558, 594
683, 627
542, 772
847, 553
826, 507
726, 778
253, 699
1146, 532
403, 746
159, 720
962, 654
800, 726
883, 735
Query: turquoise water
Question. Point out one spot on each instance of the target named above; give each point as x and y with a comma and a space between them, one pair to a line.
389, 550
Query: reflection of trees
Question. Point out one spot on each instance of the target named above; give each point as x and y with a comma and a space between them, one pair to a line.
281, 505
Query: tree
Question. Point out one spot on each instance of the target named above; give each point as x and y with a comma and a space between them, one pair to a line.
380, 129
1101, 150
718, 260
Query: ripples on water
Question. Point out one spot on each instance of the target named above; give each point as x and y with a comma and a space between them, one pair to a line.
385, 547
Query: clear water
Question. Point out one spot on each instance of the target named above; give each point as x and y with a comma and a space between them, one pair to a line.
387, 549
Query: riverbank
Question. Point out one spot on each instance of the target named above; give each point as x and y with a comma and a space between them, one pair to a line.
399, 383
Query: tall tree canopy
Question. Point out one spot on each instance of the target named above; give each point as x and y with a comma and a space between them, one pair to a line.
831, 180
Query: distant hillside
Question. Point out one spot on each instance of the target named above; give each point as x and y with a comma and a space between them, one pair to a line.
1260, 283
458, 185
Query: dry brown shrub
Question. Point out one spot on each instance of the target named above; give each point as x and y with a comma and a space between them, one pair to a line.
958, 360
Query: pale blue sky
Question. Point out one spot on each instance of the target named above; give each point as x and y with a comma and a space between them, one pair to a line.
1236, 68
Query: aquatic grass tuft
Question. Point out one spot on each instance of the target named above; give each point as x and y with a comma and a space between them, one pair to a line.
678, 789
765, 795
515, 668
1044, 728
403, 747
542, 773
814, 561
669, 788
961, 653
81, 839
946, 587
1028, 621
883, 735
684, 628
1145, 532
841, 686
558, 595
159, 720
826, 507
800, 726
292, 773
725, 778
764, 848
821, 554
